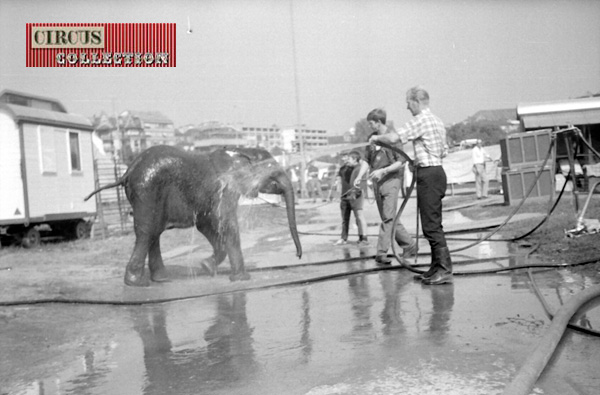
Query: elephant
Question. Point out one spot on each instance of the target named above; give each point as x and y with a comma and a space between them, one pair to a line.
172, 188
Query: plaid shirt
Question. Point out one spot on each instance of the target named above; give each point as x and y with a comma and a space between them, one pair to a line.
428, 134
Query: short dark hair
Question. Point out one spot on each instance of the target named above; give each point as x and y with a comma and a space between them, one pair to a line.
355, 155
377, 115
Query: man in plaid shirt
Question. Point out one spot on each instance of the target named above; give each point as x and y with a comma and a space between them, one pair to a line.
428, 134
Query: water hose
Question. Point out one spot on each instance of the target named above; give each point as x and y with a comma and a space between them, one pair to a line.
533, 366
65, 300
550, 315
499, 227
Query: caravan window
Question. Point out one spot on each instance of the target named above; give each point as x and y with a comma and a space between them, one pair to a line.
47, 150
74, 151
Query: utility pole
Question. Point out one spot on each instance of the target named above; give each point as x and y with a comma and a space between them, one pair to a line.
117, 148
303, 191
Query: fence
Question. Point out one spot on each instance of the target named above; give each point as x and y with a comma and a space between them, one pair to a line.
113, 209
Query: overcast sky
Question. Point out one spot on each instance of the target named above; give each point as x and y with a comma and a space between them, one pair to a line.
352, 56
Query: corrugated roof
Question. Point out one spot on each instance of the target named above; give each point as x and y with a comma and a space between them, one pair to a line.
31, 96
584, 111
46, 117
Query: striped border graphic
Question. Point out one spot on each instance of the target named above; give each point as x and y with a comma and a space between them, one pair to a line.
141, 38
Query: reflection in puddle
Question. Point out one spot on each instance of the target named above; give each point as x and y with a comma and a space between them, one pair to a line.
220, 353
361, 333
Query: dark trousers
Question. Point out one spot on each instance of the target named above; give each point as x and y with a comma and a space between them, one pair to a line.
348, 207
431, 189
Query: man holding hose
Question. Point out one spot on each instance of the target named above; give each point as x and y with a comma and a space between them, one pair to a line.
385, 166
428, 134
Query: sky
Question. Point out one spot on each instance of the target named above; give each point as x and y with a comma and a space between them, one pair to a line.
324, 64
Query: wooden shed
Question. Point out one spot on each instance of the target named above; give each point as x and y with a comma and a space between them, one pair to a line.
46, 169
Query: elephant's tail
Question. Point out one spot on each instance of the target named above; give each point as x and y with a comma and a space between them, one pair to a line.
107, 186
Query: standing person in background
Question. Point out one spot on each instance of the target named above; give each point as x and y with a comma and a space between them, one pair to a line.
313, 184
386, 166
352, 196
481, 179
428, 134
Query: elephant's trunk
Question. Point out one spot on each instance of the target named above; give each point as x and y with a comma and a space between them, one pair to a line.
290, 205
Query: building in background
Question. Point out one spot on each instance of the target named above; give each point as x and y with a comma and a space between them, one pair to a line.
297, 138
260, 136
133, 131
272, 138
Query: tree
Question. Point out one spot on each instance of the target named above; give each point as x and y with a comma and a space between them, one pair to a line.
489, 132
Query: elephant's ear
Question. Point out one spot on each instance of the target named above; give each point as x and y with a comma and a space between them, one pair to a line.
224, 159
254, 155
239, 159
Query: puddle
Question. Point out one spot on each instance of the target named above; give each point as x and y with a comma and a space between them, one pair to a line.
364, 334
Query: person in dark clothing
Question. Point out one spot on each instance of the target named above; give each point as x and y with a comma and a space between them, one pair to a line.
385, 166
352, 197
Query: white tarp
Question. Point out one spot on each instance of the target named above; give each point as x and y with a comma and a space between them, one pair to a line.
459, 165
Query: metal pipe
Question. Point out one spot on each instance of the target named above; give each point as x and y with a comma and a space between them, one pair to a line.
585, 206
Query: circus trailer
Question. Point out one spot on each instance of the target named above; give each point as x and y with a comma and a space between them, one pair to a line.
46, 169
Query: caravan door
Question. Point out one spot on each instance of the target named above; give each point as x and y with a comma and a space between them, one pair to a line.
12, 199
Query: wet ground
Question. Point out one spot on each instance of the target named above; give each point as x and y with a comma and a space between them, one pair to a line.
303, 326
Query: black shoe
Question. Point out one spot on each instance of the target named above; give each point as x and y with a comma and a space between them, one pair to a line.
427, 275
433, 267
382, 260
439, 278
443, 274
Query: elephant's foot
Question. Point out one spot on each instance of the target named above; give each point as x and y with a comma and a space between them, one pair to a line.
209, 265
159, 275
136, 279
242, 276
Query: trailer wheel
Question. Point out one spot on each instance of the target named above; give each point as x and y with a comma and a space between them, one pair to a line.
80, 230
31, 238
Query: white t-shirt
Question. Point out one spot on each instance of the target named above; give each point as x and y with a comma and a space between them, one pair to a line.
479, 155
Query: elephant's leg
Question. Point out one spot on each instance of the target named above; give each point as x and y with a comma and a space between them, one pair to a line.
134, 272
210, 264
209, 228
234, 251
158, 272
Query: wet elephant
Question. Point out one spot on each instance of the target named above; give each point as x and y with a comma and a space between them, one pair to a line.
170, 188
